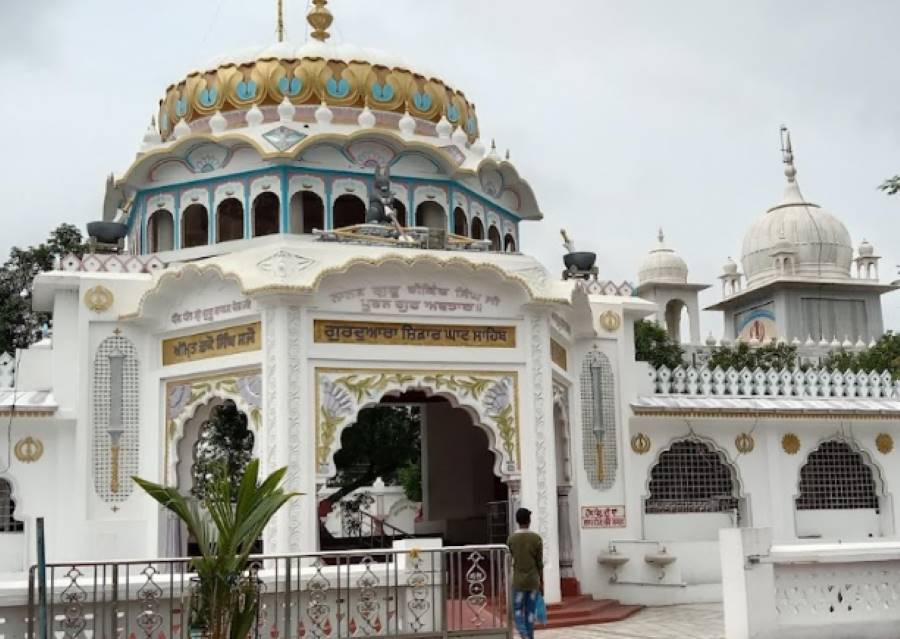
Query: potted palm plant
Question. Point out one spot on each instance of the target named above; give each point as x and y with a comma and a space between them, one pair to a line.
225, 522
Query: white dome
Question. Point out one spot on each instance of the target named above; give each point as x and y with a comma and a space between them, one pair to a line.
866, 249
663, 266
730, 267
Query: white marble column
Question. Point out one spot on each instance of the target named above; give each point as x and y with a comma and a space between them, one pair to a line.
539, 451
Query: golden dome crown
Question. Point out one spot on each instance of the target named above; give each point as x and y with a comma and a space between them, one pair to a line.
339, 75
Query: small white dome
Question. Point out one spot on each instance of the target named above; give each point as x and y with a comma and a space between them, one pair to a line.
730, 267
865, 249
662, 265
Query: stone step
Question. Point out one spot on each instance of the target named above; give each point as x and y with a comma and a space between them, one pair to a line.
583, 610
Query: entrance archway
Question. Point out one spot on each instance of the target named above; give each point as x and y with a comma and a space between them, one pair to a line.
457, 493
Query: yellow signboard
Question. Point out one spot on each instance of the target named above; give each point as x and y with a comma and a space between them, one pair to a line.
388, 333
225, 341
558, 354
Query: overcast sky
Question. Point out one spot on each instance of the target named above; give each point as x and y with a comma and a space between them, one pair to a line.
623, 116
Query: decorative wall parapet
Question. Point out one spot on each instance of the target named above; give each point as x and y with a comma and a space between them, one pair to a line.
606, 287
815, 382
7, 371
99, 263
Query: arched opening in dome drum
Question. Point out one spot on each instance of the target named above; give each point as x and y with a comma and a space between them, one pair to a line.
509, 243
348, 210
460, 224
266, 208
494, 237
195, 226
678, 321
307, 212
432, 215
160, 231
477, 229
229, 220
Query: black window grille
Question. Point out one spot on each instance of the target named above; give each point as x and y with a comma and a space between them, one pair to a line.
8, 523
690, 477
836, 477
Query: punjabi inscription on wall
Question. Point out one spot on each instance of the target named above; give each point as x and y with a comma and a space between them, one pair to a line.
398, 334
416, 298
209, 344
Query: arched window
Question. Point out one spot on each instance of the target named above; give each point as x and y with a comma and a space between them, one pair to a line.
8, 522
195, 226
230, 220
676, 310
477, 229
348, 210
598, 419
460, 224
307, 212
509, 243
266, 210
690, 477
494, 237
835, 477
161, 231
432, 215
400, 210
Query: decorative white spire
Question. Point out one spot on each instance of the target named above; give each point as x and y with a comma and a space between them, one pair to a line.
459, 137
366, 118
152, 136
407, 124
444, 128
286, 110
254, 116
324, 115
792, 191
182, 129
661, 236
493, 154
478, 148
218, 123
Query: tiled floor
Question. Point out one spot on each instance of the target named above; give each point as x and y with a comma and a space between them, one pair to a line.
695, 621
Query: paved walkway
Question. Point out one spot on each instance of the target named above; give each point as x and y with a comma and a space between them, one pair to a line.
696, 621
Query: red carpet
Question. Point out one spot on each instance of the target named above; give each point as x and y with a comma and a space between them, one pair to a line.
583, 611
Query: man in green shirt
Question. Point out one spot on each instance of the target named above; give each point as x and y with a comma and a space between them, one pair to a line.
527, 550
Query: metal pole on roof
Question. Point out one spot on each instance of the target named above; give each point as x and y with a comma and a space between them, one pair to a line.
42, 580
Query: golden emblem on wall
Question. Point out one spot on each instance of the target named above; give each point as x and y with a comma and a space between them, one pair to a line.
790, 443
29, 450
98, 299
744, 443
884, 443
610, 321
640, 444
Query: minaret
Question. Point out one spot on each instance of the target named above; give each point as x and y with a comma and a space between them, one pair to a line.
792, 190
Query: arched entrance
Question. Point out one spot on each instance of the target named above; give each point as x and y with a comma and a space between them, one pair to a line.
470, 440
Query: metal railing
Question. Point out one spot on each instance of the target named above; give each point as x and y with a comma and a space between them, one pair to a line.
428, 593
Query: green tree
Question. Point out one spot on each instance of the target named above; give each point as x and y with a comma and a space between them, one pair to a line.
884, 355
742, 355
226, 524
225, 441
20, 325
384, 440
654, 345
891, 185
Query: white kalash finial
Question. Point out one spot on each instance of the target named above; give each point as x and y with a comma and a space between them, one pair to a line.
459, 137
182, 129
218, 123
152, 136
792, 191
324, 115
478, 148
254, 116
407, 124
493, 154
366, 118
662, 236
444, 128
286, 110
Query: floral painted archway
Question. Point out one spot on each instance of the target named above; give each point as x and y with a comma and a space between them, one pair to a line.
185, 397
492, 396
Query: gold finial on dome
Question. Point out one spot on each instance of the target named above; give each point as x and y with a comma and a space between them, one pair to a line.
279, 25
320, 18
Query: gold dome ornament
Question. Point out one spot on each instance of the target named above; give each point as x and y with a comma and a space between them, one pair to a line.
884, 443
640, 444
744, 443
28, 450
98, 299
610, 321
320, 18
790, 443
